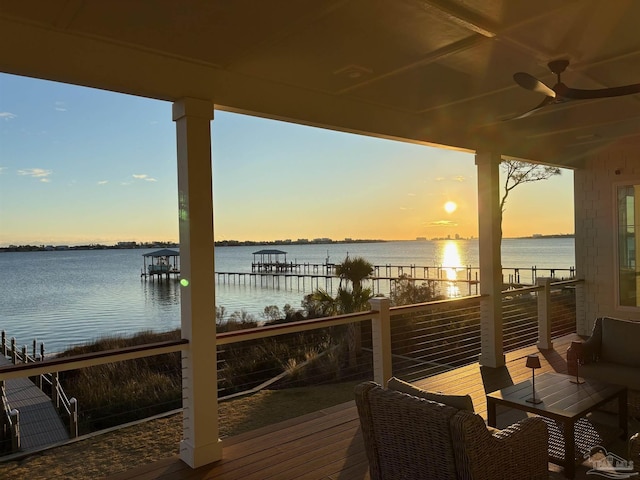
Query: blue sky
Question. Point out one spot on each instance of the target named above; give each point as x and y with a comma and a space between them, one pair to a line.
79, 165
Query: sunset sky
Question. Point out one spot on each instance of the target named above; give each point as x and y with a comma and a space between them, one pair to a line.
79, 166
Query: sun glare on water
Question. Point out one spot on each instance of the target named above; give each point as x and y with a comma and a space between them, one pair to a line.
451, 263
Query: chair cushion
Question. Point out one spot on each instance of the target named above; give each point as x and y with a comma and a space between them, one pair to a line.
620, 339
612, 373
460, 402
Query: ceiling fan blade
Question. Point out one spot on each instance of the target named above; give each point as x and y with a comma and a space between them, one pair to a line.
532, 83
578, 94
544, 103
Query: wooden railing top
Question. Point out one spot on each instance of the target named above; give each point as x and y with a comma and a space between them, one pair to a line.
292, 327
60, 364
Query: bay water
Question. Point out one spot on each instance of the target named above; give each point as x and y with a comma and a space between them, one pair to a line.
71, 297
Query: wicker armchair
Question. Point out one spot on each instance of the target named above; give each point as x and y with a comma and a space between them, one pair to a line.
412, 438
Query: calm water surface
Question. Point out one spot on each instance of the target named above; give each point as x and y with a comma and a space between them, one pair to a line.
70, 297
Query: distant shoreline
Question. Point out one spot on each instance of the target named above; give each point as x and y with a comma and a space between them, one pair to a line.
238, 243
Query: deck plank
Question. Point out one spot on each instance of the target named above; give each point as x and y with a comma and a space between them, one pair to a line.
40, 424
327, 445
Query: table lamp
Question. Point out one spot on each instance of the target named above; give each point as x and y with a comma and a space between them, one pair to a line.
577, 348
533, 362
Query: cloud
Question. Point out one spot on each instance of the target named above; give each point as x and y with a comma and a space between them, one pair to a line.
7, 115
103, 182
144, 176
2, 169
39, 173
60, 107
443, 223
459, 178
411, 194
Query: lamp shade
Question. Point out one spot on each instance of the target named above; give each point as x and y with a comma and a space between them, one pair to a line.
533, 361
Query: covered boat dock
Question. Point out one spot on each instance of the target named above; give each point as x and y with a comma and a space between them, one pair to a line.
269, 260
161, 263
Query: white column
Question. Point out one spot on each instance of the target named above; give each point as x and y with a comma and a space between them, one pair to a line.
544, 313
490, 236
381, 339
200, 444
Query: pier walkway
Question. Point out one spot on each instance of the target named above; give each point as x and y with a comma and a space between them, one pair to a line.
40, 424
309, 281
455, 281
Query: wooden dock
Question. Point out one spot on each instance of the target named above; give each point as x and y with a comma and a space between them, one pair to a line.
308, 281
40, 424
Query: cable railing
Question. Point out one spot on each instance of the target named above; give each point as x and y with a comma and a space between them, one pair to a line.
422, 340
523, 308
433, 337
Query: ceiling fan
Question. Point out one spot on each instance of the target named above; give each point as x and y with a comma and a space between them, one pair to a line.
560, 93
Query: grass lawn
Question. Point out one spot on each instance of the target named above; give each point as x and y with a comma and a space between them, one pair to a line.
150, 441
272, 406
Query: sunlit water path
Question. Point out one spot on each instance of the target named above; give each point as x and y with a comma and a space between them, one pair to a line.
70, 297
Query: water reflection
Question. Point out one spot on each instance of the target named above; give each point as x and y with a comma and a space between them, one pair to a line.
451, 265
163, 293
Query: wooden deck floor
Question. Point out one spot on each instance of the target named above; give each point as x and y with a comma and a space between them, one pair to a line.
327, 444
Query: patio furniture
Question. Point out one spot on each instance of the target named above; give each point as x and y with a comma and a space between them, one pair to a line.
407, 437
611, 355
564, 406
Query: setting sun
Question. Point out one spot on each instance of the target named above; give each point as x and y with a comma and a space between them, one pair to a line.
450, 207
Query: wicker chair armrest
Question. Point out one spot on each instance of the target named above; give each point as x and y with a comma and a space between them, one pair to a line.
519, 451
591, 350
588, 352
523, 449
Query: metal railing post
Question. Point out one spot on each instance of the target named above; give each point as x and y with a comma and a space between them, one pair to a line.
15, 430
73, 417
381, 339
55, 383
544, 313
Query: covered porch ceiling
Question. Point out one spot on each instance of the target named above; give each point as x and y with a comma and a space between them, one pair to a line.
429, 71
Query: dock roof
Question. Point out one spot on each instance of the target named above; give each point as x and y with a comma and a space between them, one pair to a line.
165, 252
270, 252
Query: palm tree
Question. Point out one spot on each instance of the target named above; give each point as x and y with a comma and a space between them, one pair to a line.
347, 300
354, 271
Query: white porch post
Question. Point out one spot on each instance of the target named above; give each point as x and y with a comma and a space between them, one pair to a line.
200, 444
381, 339
490, 234
544, 313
